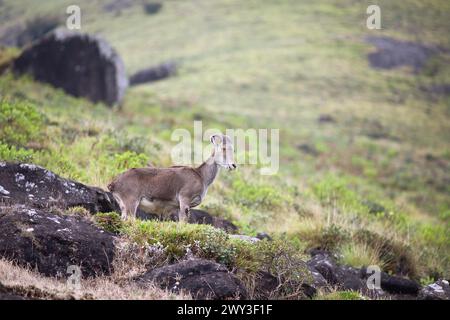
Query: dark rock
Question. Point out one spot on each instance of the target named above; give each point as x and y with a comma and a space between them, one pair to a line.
349, 278
37, 187
266, 285
308, 149
344, 277
318, 280
117, 6
263, 235
80, 64
440, 290
50, 242
324, 118
436, 91
394, 284
392, 53
152, 74
152, 7
202, 278
315, 251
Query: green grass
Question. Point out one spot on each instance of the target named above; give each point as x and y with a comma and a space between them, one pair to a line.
265, 64
340, 295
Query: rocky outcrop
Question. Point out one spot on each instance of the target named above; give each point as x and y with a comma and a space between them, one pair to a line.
80, 64
204, 279
440, 290
37, 187
349, 278
50, 242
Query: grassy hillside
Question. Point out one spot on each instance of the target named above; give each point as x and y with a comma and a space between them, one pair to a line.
374, 177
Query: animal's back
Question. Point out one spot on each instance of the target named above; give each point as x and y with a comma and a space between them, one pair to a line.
159, 183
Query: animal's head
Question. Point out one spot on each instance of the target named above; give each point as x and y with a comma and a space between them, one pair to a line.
223, 151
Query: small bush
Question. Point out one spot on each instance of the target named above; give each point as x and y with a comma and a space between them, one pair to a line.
109, 221
20, 123
129, 159
11, 153
329, 238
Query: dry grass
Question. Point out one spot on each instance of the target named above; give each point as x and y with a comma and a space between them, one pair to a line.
360, 255
29, 283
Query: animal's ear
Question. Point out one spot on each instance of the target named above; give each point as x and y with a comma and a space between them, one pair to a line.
216, 139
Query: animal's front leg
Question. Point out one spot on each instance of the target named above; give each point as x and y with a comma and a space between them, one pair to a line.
183, 213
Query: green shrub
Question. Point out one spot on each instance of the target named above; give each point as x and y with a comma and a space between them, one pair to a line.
129, 159
176, 238
109, 221
20, 123
11, 153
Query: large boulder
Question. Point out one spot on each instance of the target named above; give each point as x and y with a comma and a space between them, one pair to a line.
204, 279
29, 184
51, 242
80, 64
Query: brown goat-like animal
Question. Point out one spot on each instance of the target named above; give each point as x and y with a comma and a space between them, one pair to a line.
164, 191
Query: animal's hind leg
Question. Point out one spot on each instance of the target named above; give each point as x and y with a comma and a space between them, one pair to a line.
122, 207
130, 208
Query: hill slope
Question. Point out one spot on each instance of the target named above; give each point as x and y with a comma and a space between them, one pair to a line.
379, 164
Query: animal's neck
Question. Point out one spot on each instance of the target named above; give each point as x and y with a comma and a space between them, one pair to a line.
208, 170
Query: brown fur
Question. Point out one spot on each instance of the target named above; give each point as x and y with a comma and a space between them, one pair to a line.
167, 190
